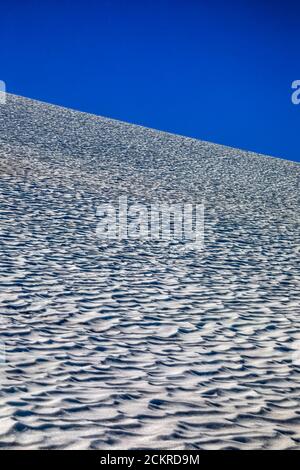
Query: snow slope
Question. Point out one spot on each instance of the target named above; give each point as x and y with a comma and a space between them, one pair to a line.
126, 344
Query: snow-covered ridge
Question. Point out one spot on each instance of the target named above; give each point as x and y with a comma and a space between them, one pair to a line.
143, 345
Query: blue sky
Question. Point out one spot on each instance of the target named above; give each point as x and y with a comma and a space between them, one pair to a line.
218, 71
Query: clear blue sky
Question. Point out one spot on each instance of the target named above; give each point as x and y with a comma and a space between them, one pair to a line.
218, 71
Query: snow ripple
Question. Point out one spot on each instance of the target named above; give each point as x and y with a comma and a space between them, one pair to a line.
144, 345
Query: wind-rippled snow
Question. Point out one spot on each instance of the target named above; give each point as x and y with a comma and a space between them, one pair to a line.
123, 344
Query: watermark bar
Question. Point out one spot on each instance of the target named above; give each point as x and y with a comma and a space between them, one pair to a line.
126, 459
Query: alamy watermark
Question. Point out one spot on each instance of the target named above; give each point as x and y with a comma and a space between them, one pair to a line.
2, 92
158, 222
296, 93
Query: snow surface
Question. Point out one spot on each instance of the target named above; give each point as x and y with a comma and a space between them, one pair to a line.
124, 344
